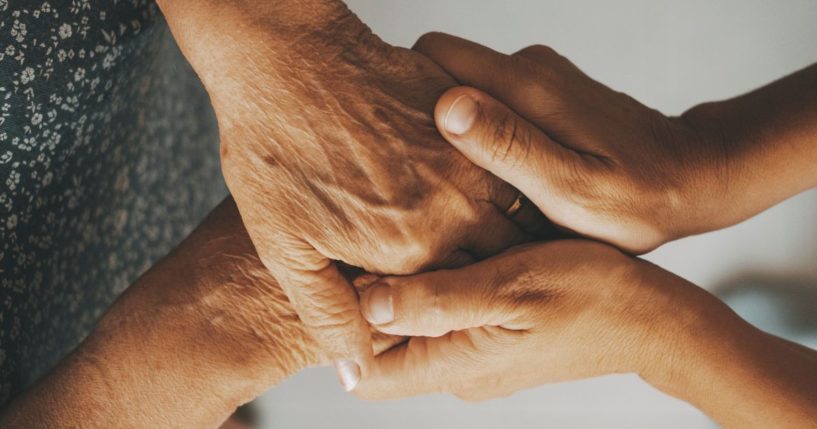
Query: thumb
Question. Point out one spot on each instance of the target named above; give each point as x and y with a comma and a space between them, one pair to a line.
497, 139
327, 304
433, 304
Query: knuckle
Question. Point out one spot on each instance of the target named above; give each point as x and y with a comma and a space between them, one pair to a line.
416, 251
538, 50
428, 40
407, 257
527, 71
541, 75
430, 295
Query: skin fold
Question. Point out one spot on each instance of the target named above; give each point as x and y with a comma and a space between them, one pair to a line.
331, 153
205, 330
599, 163
330, 148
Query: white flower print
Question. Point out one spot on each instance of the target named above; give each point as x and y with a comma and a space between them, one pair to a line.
13, 180
19, 31
65, 31
27, 75
69, 79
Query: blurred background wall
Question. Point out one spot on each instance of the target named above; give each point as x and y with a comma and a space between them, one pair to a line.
669, 55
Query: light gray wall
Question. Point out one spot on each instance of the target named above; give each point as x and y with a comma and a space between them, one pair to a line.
669, 55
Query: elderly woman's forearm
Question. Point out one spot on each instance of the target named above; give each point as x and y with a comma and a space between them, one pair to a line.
228, 41
202, 332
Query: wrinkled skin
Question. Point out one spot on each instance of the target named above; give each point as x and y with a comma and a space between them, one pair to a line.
252, 325
206, 329
331, 153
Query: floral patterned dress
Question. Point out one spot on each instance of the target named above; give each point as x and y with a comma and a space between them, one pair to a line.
108, 158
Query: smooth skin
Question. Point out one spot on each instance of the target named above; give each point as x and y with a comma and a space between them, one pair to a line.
601, 164
330, 150
574, 309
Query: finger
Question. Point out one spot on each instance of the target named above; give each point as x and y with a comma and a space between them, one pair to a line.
514, 80
328, 306
545, 56
498, 140
420, 366
435, 303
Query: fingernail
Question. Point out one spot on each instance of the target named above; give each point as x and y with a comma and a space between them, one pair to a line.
379, 309
348, 373
461, 115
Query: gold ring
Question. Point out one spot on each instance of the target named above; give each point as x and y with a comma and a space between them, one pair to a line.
517, 204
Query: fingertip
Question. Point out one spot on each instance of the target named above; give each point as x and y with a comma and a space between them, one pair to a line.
389, 376
349, 373
377, 304
448, 100
381, 306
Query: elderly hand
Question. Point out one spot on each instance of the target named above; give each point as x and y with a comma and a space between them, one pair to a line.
226, 295
594, 160
206, 329
331, 153
574, 309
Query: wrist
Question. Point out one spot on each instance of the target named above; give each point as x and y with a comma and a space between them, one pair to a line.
208, 314
243, 49
709, 164
202, 332
676, 325
743, 377
233, 305
767, 141
702, 352
698, 344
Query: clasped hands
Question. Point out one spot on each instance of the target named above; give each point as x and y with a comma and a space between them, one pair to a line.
368, 232
332, 156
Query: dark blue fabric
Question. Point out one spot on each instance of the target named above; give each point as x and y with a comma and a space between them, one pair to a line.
108, 157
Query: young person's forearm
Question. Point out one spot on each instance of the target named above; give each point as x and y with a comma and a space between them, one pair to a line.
202, 332
745, 378
769, 136
771, 384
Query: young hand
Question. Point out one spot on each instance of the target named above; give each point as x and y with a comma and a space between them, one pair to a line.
603, 165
